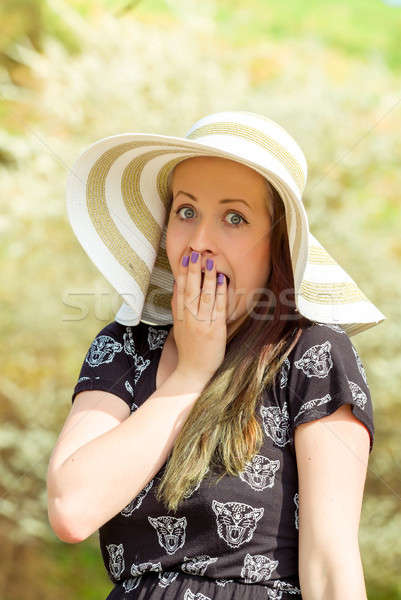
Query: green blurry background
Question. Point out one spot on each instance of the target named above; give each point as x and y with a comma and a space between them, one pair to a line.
73, 72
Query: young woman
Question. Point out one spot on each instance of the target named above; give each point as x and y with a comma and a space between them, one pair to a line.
221, 427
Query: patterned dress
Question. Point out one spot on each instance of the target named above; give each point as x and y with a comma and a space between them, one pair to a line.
239, 538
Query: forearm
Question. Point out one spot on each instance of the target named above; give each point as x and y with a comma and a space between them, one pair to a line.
338, 577
345, 577
103, 476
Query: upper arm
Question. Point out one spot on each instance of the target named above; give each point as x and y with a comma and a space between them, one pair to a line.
104, 394
332, 456
328, 410
93, 413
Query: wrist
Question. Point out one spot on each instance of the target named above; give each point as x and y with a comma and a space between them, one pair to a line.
191, 380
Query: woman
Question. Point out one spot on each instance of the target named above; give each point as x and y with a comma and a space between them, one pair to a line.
219, 436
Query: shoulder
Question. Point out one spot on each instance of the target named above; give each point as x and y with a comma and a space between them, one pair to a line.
317, 332
115, 340
323, 366
134, 339
124, 334
319, 341
325, 356
324, 372
113, 329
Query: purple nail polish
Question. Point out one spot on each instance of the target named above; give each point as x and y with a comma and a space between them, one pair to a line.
194, 256
220, 278
209, 264
185, 261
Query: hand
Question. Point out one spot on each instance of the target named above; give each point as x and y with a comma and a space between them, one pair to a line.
200, 329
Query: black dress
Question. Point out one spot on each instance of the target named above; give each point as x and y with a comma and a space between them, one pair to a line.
239, 538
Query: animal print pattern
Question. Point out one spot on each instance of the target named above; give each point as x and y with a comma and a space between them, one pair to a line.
346, 381
167, 577
311, 404
130, 350
129, 342
137, 501
128, 387
223, 582
189, 595
87, 379
102, 350
316, 361
131, 583
113, 363
197, 565
284, 372
139, 569
190, 492
259, 472
258, 568
236, 521
170, 532
116, 562
276, 423
358, 394
360, 365
228, 534
273, 594
296, 502
282, 586
156, 338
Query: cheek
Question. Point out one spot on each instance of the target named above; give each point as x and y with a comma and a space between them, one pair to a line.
170, 246
175, 244
174, 230
251, 276
262, 259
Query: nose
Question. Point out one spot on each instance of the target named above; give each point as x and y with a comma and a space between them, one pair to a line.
201, 242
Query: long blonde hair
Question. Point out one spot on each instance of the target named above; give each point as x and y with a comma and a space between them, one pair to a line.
221, 433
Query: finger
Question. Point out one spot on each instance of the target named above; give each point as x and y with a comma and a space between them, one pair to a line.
207, 293
219, 310
192, 290
181, 282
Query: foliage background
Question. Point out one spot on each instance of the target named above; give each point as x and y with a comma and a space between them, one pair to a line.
72, 72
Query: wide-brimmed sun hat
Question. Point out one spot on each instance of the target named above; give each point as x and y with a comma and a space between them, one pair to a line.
118, 196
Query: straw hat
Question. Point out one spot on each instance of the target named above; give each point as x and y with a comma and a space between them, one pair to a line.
118, 201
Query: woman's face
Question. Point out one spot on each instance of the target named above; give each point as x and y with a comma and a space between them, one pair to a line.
235, 234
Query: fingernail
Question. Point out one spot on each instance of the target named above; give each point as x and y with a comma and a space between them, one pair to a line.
185, 261
209, 264
194, 256
220, 278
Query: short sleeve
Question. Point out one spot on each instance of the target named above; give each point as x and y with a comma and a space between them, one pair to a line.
112, 364
323, 372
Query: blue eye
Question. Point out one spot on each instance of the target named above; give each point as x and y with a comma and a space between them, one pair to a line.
243, 222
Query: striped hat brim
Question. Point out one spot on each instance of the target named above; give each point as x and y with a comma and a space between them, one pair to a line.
118, 199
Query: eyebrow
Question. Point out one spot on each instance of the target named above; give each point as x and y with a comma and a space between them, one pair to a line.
223, 201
